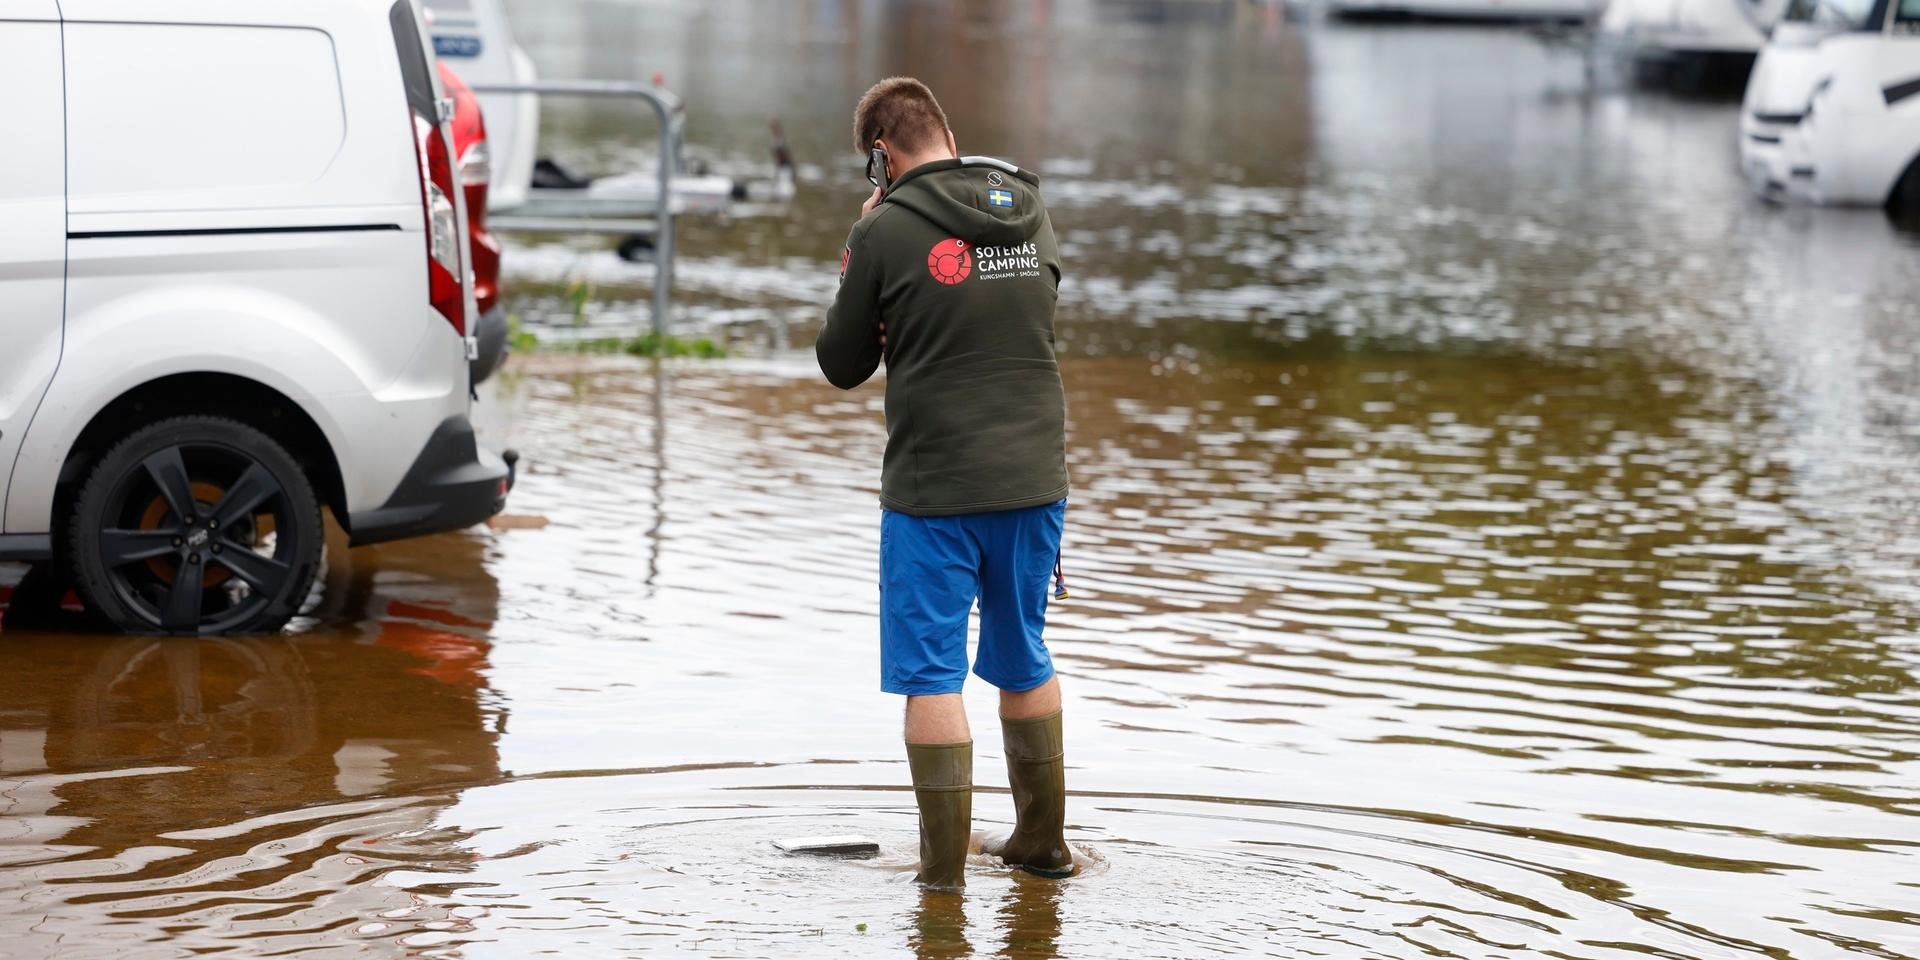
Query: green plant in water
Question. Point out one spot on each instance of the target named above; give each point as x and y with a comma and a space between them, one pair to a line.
667, 345
519, 338
598, 345
646, 345
579, 294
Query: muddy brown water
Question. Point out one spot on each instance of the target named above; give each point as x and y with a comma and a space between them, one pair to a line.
1492, 536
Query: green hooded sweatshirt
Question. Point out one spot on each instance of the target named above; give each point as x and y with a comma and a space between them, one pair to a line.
959, 262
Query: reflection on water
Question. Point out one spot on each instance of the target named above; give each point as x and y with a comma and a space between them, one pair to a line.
1369, 655
1490, 537
215, 790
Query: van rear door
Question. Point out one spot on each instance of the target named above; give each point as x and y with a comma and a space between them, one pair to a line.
448, 249
33, 223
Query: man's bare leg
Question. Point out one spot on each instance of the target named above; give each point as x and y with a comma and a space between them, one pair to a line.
1041, 701
941, 718
940, 756
1036, 770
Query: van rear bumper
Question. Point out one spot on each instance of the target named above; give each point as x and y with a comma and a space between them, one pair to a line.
25, 546
490, 337
453, 484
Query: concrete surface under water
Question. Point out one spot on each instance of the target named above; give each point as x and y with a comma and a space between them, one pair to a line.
1493, 536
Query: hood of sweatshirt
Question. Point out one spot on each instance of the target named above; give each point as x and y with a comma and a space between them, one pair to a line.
986, 202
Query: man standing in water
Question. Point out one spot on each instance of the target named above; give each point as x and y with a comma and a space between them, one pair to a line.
950, 277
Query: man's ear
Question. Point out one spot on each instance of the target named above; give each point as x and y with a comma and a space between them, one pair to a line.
953, 146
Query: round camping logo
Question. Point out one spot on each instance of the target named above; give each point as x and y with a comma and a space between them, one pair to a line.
950, 261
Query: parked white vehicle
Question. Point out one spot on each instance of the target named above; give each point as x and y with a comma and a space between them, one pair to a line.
476, 38
232, 264
1668, 29
1832, 111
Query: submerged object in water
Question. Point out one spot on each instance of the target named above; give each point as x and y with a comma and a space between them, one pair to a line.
835, 846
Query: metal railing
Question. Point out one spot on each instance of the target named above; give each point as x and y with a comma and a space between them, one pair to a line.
672, 116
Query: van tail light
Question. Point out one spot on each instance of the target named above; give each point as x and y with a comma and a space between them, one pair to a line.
443, 226
475, 166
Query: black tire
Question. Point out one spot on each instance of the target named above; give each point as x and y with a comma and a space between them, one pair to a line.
1903, 201
195, 493
635, 248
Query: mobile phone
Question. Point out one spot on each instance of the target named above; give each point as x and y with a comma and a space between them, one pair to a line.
877, 167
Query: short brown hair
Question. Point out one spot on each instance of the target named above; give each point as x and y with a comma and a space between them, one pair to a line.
903, 112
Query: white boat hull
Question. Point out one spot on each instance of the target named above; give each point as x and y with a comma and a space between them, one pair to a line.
1652, 29
1474, 10
624, 196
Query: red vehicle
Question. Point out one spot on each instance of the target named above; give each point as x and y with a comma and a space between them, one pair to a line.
474, 165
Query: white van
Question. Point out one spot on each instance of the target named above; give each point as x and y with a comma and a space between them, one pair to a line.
233, 290
1831, 113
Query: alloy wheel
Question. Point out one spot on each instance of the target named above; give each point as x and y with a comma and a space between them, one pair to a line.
197, 538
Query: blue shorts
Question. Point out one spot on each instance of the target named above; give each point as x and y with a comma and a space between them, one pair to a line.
932, 569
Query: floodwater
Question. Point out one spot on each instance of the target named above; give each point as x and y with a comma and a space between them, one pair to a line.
1492, 536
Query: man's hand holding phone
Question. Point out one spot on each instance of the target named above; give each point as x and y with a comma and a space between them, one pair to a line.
877, 175
866, 208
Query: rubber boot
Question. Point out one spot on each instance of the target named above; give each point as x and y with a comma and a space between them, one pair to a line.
1037, 772
943, 787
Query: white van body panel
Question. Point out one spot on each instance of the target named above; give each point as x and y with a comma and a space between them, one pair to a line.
1867, 127
181, 119
26, 10
194, 245
298, 312
1849, 136
206, 141
33, 232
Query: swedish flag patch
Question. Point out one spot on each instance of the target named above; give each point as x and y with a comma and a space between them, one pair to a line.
1000, 198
